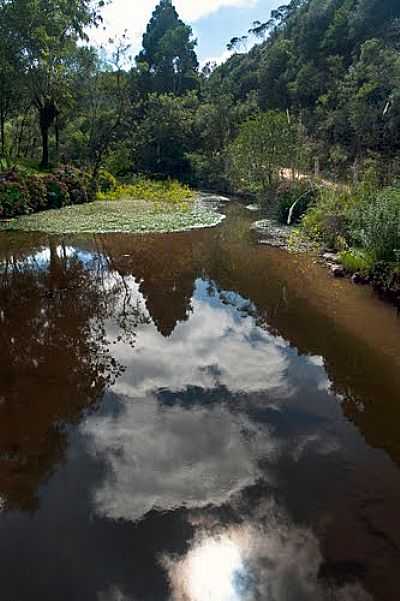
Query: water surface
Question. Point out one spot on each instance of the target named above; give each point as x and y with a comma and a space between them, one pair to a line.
194, 417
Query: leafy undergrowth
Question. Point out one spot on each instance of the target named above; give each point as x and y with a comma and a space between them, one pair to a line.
165, 192
126, 216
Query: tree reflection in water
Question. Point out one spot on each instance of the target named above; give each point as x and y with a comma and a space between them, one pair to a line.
55, 359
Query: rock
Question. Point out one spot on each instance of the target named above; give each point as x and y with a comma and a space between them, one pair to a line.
357, 278
330, 257
337, 271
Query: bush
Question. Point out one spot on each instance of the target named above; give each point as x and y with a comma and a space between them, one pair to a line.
57, 193
14, 196
169, 191
23, 192
287, 194
36, 186
77, 183
209, 170
106, 182
357, 261
385, 277
377, 224
329, 220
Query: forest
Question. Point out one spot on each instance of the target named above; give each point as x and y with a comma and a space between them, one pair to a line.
316, 97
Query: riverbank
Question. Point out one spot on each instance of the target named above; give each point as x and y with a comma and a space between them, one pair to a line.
384, 278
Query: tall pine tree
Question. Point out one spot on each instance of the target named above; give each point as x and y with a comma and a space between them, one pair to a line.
168, 62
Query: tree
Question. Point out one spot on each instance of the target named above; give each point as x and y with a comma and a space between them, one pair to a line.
168, 62
101, 101
238, 44
46, 33
164, 135
11, 78
264, 146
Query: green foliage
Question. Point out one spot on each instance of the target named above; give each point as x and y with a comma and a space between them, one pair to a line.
337, 64
76, 182
44, 38
209, 170
106, 182
166, 192
37, 190
293, 194
264, 146
357, 261
24, 192
14, 196
168, 62
329, 219
378, 224
385, 277
164, 135
57, 193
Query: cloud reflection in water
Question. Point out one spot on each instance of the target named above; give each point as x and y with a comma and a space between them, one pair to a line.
279, 562
165, 456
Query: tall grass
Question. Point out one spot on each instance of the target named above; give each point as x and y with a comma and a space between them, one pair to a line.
377, 224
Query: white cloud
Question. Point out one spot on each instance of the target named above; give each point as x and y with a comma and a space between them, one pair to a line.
167, 458
133, 16
162, 456
214, 348
241, 563
194, 10
219, 59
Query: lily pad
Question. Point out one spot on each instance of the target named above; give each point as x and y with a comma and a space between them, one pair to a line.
124, 216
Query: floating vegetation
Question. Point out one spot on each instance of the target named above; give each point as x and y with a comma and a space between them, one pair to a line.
119, 216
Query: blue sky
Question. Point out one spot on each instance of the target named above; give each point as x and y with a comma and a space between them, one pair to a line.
214, 22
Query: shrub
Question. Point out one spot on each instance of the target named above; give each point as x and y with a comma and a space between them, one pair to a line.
357, 261
329, 220
287, 194
209, 170
37, 192
169, 191
57, 193
377, 224
14, 196
77, 183
106, 182
22, 192
385, 277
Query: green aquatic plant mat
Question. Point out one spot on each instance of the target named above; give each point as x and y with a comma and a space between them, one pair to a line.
124, 216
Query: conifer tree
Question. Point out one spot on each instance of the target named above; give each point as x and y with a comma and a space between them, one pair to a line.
168, 61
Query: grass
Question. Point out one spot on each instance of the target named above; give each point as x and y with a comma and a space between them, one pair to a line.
164, 192
357, 261
125, 216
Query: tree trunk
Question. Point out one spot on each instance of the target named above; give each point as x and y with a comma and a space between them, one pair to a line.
57, 132
3, 133
44, 130
47, 114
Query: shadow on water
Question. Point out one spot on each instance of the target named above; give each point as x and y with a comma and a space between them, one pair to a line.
194, 417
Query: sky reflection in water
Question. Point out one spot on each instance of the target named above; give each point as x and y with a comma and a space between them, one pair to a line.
187, 434
215, 464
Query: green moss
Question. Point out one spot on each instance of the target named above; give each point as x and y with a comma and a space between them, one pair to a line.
130, 216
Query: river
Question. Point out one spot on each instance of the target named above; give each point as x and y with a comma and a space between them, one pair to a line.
194, 417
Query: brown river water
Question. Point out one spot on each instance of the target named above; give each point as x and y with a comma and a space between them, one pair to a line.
194, 417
